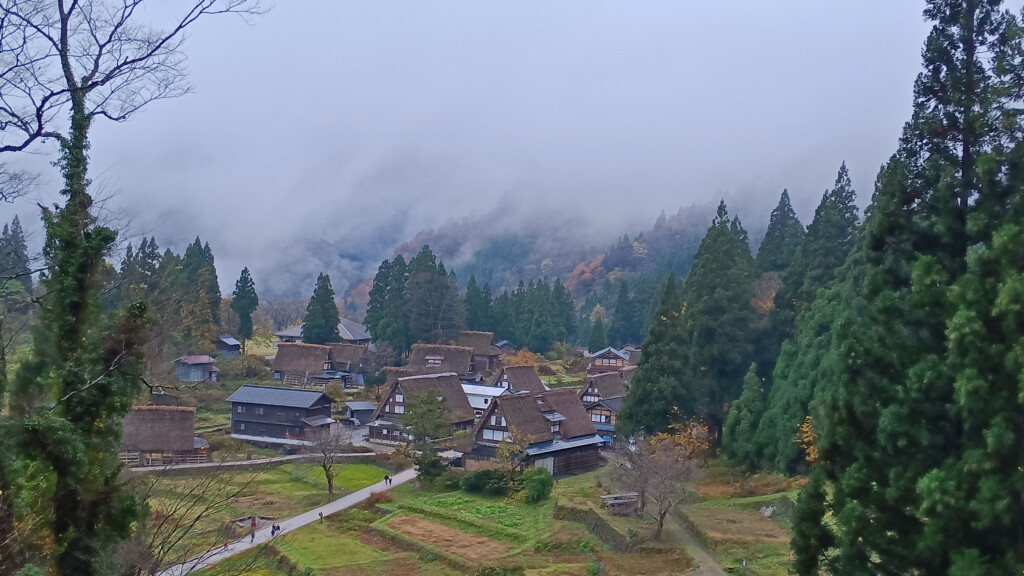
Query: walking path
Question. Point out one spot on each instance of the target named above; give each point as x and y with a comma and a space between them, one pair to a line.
263, 535
229, 464
707, 565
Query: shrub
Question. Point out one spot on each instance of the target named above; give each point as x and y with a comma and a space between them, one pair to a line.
491, 482
537, 483
451, 480
430, 466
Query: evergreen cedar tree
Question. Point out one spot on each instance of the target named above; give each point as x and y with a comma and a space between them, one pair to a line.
742, 420
320, 325
798, 330
244, 302
782, 238
14, 256
699, 346
598, 339
420, 302
627, 323
919, 468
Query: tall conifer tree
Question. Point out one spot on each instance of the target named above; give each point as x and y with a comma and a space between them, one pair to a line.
244, 302
781, 240
920, 446
320, 325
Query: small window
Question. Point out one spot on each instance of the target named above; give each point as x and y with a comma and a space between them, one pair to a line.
241, 425
486, 400
277, 375
399, 398
494, 420
386, 432
259, 410
554, 426
387, 407
399, 409
502, 420
239, 409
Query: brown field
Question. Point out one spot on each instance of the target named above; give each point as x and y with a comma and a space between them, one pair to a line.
646, 564
469, 546
721, 524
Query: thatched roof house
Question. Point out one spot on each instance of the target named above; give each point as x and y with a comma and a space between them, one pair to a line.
160, 435
522, 378
297, 364
486, 356
437, 358
554, 425
386, 426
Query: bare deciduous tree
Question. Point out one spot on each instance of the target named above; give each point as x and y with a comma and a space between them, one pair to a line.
660, 469
329, 443
283, 313
63, 64
174, 535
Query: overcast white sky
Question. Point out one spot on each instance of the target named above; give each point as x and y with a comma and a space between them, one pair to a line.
332, 120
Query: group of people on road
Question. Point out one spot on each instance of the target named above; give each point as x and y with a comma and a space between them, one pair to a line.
388, 479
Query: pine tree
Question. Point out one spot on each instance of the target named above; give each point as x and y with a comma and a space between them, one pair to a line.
212, 285
741, 422
658, 384
784, 235
919, 452
320, 325
244, 301
598, 339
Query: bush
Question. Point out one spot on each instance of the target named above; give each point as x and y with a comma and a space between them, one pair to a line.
451, 480
430, 466
537, 483
490, 482
247, 367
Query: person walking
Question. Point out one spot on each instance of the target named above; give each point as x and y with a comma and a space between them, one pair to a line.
387, 480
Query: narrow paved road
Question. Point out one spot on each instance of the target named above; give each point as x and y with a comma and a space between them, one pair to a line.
263, 535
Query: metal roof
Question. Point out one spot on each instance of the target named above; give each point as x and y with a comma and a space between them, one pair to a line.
347, 329
319, 421
230, 341
197, 359
557, 445
361, 405
274, 396
480, 390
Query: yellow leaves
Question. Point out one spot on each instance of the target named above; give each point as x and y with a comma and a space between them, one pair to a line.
806, 437
523, 357
691, 437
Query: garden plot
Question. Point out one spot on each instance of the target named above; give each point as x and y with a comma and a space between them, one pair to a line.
472, 547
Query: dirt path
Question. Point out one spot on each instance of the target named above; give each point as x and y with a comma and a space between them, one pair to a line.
706, 563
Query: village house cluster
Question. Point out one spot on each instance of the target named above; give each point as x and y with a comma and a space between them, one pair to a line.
561, 430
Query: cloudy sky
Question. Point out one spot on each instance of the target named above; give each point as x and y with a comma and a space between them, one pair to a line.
348, 124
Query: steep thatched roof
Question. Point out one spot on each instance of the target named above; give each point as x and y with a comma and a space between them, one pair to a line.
520, 379
446, 385
343, 354
301, 358
482, 343
159, 428
436, 358
531, 414
608, 385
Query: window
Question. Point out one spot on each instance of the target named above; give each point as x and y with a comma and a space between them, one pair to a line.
239, 409
387, 407
494, 420
386, 432
259, 410
277, 375
599, 418
591, 398
502, 420
495, 434
327, 365
241, 425
554, 426
399, 409
399, 398
497, 420
486, 400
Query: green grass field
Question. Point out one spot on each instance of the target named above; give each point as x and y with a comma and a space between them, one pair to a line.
282, 492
